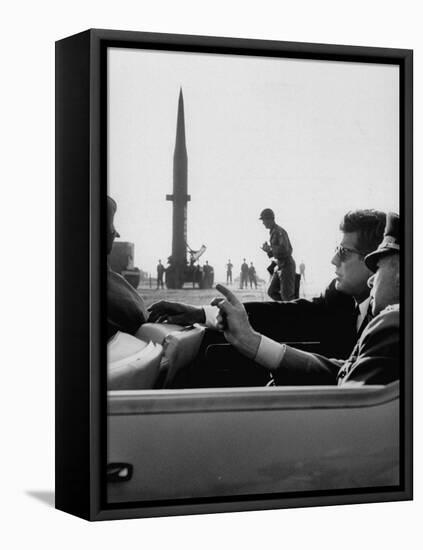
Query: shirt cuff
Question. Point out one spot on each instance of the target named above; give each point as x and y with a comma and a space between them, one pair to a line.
210, 313
270, 353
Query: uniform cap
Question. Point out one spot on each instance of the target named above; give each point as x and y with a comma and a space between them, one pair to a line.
390, 243
267, 214
111, 205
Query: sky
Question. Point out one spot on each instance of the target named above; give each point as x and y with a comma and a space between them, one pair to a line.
309, 139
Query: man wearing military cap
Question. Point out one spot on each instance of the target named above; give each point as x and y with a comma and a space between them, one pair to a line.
125, 307
282, 284
376, 356
390, 244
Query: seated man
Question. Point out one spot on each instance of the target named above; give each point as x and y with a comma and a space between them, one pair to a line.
333, 320
125, 308
374, 359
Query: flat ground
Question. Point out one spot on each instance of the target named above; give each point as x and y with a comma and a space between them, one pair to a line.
195, 296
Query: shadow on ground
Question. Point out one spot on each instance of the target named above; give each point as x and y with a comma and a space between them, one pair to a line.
46, 497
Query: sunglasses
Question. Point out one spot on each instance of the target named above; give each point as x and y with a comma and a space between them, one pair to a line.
344, 253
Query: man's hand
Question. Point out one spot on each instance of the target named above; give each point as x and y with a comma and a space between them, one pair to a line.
267, 248
233, 320
176, 313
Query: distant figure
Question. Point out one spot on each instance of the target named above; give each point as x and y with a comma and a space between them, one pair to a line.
208, 275
229, 267
244, 274
160, 272
252, 275
282, 285
302, 270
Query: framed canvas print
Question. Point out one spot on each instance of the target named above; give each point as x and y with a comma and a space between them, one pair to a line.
234, 274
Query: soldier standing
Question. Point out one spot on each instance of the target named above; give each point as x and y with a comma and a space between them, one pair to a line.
282, 284
252, 275
208, 275
229, 267
302, 270
160, 272
244, 274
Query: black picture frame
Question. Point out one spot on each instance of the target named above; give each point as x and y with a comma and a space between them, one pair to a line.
81, 183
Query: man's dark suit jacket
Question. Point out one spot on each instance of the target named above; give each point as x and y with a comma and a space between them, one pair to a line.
125, 307
375, 358
329, 319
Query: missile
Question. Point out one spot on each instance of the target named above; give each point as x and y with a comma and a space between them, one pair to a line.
180, 195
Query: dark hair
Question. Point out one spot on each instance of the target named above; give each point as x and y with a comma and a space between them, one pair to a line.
369, 224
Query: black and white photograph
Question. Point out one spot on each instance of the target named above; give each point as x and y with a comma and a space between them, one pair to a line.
211, 275
254, 277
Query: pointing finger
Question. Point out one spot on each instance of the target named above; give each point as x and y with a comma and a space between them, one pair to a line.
229, 295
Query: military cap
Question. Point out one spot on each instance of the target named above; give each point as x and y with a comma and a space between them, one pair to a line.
111, 209
390, 243
267, 214
111, 204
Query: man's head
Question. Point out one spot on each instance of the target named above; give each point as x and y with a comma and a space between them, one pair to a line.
385, 265
362, 232
111, 231
268, 218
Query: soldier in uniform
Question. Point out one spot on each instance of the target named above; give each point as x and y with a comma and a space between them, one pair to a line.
252, 275
229, 267
244, 274
282, 284
208, 275
302, 271
160, 272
